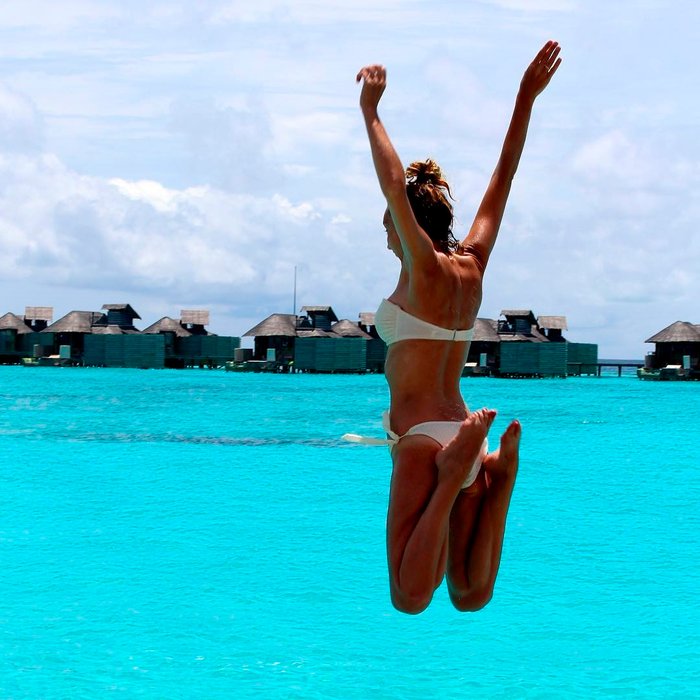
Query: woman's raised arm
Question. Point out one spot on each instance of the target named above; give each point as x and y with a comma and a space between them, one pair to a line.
484, 230
415, 243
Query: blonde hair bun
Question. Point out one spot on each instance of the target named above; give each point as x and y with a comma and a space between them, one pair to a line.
427, 192
426, 172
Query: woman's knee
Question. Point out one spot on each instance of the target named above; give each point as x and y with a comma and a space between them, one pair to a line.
474, 600
410, 604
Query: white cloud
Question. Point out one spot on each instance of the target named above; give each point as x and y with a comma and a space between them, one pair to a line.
616, 157
299, 213
305, 133
141, 236
227, 147
159, 197
21, 126
204, 149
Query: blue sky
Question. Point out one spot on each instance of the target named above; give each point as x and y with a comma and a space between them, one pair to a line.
188, 155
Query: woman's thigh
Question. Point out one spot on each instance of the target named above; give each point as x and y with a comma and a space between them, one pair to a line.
413, 482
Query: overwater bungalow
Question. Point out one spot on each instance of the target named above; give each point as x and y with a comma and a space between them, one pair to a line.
318, 317
517, 344
109, 338
349, 329
520, 344
519, 325
519, 335
201, 348
367, 323
38, 317
484, 351
99, 339
316, 341
676, 354
37, 343
552, 327
326, 351
119, 316
375, 347
12, 322
195, 321
168, 326
187, 342
274, 339
66, 336
12, 328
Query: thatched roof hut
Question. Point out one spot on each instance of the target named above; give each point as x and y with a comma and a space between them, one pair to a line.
320, 309
275, 335
195, 320
127, 308
77, 322
168, 325
367, 318
484, 350
367, 323
275, 325
315, 333
12, 322
531, 336
194, 317
521, 338
518, 322
677, 344
557, 323
120, 315
552, 327
38, 317
678, 332
320, 316
349, 329
38, 313
485, 331
519, 313
113, 330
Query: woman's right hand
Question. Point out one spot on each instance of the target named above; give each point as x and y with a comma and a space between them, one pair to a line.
374, 82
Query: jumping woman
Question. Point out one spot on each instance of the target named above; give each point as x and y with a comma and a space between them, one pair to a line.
448, 498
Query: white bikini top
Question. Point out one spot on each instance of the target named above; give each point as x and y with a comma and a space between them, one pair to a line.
394, 324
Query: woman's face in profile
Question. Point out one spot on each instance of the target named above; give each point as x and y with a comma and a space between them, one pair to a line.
393, 242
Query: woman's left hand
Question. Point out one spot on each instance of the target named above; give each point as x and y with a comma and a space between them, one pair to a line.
541, 70
374, 78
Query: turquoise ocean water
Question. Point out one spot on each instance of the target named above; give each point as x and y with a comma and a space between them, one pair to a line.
195, 534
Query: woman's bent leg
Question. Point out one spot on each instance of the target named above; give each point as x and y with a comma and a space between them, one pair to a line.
477, 526
424, 487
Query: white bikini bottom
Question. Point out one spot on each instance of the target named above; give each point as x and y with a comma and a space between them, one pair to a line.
442, 431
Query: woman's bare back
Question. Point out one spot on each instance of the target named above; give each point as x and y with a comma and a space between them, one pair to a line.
423, 375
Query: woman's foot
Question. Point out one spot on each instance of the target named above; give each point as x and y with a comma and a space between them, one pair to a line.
455, 459
502, 465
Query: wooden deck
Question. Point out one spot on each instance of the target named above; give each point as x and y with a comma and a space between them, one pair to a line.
619, 365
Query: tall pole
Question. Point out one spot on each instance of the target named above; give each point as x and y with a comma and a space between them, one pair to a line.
294, 310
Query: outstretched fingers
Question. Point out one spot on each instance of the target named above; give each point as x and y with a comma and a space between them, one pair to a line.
374, 73
547, 58
542, 68
547, 50
552, 61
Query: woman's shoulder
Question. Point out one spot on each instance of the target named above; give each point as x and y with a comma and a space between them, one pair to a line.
468, 257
